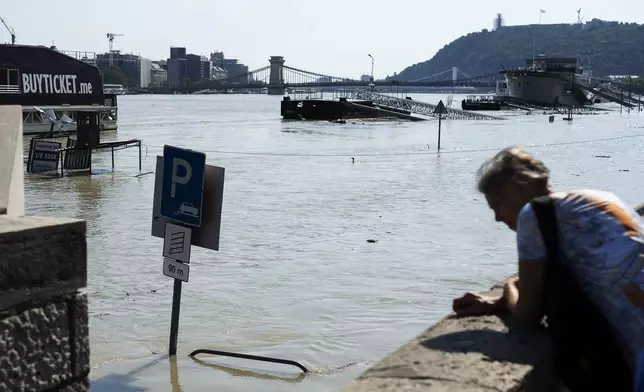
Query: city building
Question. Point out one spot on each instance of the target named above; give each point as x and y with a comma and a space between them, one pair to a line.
135, 69
177, 71
218, 73
183, 67
232, 66
198, 68
365, 78
177, 52
159, 73
145, 68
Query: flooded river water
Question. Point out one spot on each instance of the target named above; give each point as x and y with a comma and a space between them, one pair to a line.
295, 276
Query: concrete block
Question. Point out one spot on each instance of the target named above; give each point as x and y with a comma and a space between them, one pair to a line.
37, 352
41, 258
12, 189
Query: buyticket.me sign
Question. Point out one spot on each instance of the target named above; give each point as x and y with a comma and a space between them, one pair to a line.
54, 84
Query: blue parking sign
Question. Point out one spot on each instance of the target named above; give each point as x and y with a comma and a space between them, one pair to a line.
182, 190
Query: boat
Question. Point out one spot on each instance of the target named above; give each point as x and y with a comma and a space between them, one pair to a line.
116, 89
482, 102
38, 120
53, 88
547, 81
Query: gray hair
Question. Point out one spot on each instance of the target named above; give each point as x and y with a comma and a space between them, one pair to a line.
511, 165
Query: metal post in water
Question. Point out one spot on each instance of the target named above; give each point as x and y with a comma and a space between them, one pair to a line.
621, 98
371, 83
440, 116
139, 155
112, 158
174, 320
630, 92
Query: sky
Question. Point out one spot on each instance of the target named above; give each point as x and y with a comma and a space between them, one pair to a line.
330, 37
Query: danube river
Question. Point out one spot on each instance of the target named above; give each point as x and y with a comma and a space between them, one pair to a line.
295, 276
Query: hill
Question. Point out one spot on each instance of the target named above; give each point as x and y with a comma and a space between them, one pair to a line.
611, 48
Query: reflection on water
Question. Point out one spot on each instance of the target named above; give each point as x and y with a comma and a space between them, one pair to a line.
238, 372
174, 375
295, 277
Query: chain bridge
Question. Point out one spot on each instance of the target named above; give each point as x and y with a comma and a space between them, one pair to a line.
277, 77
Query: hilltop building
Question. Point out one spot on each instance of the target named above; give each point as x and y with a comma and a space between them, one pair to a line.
498, 22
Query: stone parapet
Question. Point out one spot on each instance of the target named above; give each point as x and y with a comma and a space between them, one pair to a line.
466, 354
44, 334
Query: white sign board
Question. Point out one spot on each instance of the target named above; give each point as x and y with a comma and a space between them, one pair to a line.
175, 269
176, 242
45, 156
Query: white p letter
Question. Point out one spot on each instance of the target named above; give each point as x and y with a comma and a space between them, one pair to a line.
176, 179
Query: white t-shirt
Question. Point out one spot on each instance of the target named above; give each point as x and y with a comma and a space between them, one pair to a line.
601, 240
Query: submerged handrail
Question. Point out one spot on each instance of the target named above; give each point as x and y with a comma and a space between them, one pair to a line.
251, 357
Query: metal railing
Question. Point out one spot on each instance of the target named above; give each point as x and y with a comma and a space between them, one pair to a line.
417, 107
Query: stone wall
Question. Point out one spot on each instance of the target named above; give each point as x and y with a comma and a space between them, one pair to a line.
44, 336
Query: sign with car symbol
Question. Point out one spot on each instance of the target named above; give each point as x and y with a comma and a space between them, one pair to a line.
183, 182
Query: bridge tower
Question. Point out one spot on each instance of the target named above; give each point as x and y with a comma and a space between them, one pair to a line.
276, 79
454, 74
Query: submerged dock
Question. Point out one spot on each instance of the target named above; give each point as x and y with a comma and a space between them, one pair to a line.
355, 104
418, 107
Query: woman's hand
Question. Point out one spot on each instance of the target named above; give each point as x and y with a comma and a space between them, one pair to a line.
472, 304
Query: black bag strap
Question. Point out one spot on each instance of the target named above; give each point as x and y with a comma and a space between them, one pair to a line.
544, 210
578, 329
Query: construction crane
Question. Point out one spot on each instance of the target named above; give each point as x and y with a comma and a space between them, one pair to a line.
110, 38
11, 31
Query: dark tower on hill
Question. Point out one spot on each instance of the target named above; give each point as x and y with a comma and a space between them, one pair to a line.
498, 21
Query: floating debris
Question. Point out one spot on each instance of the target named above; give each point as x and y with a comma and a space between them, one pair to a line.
372, 241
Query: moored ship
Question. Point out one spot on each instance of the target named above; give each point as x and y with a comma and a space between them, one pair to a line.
43, 80
549, 81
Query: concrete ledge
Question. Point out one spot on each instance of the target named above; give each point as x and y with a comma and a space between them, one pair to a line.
12, 190
41, 258
46, 347
486, 353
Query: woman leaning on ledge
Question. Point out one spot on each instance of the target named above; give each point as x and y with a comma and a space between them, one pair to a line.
581, 265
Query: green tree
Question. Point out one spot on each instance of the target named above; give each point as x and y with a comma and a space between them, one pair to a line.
611, 48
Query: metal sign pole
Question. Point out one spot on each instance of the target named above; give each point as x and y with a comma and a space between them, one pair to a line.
182, 202
174, 320
187, 211
440, 110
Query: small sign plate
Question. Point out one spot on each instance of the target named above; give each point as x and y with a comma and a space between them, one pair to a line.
176, 242
176, 269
